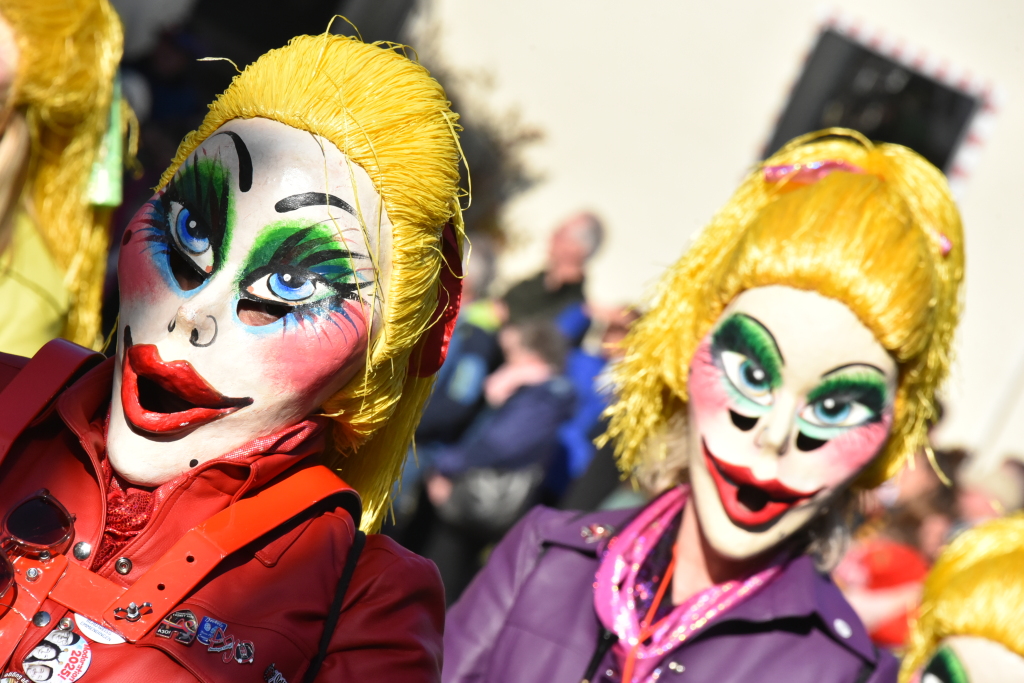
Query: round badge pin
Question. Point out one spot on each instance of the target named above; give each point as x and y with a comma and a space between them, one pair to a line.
63, 656
245, 652
96, 633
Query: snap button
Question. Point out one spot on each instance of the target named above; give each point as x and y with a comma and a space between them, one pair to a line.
82, 551
592, 533
676, 667
123, 565
842, 628
41, 619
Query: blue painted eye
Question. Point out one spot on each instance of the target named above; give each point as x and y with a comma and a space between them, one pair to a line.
191, 237
749, 378
833, 412
290, 287
192, 234
753, 376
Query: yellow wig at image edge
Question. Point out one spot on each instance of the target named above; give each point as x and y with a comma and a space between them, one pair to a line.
69, 52
976, 588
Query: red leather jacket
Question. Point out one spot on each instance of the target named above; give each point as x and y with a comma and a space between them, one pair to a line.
275, 593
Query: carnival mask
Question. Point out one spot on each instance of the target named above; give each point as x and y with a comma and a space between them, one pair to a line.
250, 287
790, 398
972, 659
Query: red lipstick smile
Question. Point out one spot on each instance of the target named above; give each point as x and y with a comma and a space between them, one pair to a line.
168, 398
750, 502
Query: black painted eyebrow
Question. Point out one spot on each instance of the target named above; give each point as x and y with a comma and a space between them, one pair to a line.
854, 365
244, 160
298, 201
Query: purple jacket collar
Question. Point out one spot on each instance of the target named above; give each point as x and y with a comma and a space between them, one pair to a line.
800, 590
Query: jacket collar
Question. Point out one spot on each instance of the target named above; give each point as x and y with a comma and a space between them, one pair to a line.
587, 532
799, 590
84, 405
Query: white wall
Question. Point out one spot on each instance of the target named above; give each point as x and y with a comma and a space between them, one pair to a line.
653, 110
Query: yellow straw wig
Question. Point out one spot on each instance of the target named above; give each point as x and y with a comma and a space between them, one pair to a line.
388, 115
873, 241
976, 588
68, 54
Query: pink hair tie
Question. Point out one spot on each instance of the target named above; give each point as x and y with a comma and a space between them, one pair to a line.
809, 173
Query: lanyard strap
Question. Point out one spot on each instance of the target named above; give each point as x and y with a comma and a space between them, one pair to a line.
171, 578
646, 628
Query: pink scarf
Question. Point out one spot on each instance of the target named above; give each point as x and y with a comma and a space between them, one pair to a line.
617, 591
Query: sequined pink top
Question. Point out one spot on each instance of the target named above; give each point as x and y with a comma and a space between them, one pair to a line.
622, 589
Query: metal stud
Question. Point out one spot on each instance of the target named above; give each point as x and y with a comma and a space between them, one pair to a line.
123, 566
65, 624
842, 628
33, 574
592, 533
41, 619
676, 667
82, 551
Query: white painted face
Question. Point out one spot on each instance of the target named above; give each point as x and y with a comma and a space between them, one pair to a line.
790, 397
970, 659
246, 294
8, 61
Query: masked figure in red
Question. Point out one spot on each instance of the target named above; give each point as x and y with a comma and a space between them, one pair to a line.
175, 512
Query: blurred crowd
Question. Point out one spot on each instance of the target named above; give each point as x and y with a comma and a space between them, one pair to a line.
907, 523
515, 410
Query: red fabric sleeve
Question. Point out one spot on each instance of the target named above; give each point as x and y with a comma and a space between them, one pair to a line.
392, 619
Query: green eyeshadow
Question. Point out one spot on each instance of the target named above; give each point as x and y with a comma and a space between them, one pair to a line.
864, 386
742, 334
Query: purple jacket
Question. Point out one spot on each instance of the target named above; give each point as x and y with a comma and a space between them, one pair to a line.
529, 617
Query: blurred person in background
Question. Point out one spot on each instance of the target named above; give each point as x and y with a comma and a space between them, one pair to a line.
907, 523
473, 354
481, 485
560, 284
982, 496
588, 366
456, 399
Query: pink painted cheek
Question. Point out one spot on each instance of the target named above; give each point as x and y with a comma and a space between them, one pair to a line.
307, 355
841, 458
708, 397
140, 278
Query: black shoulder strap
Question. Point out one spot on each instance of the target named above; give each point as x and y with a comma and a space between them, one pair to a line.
339, 597
605, 640
867, 670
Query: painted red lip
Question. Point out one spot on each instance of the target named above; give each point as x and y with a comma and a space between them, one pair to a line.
184, 400
750, 502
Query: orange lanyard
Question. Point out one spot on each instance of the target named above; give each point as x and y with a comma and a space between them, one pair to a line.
646, 628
